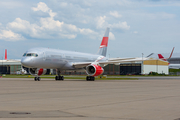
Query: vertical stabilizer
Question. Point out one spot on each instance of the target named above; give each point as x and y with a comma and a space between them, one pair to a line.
104, 43
160, 56
5, 54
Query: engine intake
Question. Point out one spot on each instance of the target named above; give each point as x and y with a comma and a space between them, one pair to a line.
37, 71
94, 70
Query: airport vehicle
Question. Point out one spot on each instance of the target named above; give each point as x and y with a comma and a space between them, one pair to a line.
38, 60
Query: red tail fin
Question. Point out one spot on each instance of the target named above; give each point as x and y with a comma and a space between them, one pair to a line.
104, 43
5, 54
160, 56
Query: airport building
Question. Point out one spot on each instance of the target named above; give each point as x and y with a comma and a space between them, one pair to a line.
10, 66
135, 68
138, 68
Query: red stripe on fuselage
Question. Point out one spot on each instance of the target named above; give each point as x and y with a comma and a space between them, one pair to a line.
104, 42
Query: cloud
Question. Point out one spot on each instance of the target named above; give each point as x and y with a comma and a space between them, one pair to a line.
111, 36
8, 35
135, 32
115, 14
63, 4
120, 25
166, 15
102, 23
47, 27
11, 4
44, 8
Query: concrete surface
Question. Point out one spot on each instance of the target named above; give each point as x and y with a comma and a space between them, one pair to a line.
25, 99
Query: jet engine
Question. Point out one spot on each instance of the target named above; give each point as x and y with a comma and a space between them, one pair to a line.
94, 70
37, 71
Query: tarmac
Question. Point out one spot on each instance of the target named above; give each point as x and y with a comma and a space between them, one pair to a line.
144, 99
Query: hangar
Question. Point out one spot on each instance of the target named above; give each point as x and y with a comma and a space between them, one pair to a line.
138, 68
10, 66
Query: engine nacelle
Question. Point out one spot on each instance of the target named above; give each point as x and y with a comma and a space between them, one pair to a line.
37, 71
94, 70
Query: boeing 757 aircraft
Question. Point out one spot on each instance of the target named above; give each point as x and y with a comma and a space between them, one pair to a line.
38, 60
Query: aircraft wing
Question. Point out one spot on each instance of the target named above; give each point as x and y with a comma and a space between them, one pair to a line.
117, 61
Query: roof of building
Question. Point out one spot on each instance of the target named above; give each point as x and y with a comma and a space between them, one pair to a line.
10, 62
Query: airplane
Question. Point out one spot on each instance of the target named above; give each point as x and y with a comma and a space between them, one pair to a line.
165, 59
171, 66
38, 60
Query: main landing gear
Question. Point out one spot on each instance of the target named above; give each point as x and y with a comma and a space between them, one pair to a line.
37, 79
90, 78
59, 77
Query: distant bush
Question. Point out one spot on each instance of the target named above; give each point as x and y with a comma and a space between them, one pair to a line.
155, 73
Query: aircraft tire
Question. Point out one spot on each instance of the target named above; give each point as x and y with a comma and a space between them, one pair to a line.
92, 78
62, 78
38, 78
87, 78
56, 78
59, 78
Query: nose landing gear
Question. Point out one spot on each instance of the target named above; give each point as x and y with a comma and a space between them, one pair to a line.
37, 79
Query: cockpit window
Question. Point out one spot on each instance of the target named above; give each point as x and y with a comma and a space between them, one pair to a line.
24, 54
30, 54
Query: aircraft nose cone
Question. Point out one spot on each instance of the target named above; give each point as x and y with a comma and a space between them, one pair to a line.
25, 62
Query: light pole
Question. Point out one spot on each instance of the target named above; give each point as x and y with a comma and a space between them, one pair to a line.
142, 64
2, 67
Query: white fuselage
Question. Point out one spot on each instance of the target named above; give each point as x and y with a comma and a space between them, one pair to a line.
53, 58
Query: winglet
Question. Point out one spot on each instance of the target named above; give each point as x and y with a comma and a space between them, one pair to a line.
104, 43
171, 52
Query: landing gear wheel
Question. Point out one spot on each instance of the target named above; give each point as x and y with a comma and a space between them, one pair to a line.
56, 78
62, 78
37, 79
90, 78
59, 78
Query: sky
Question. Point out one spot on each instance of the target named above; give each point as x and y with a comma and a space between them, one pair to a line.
136, 26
